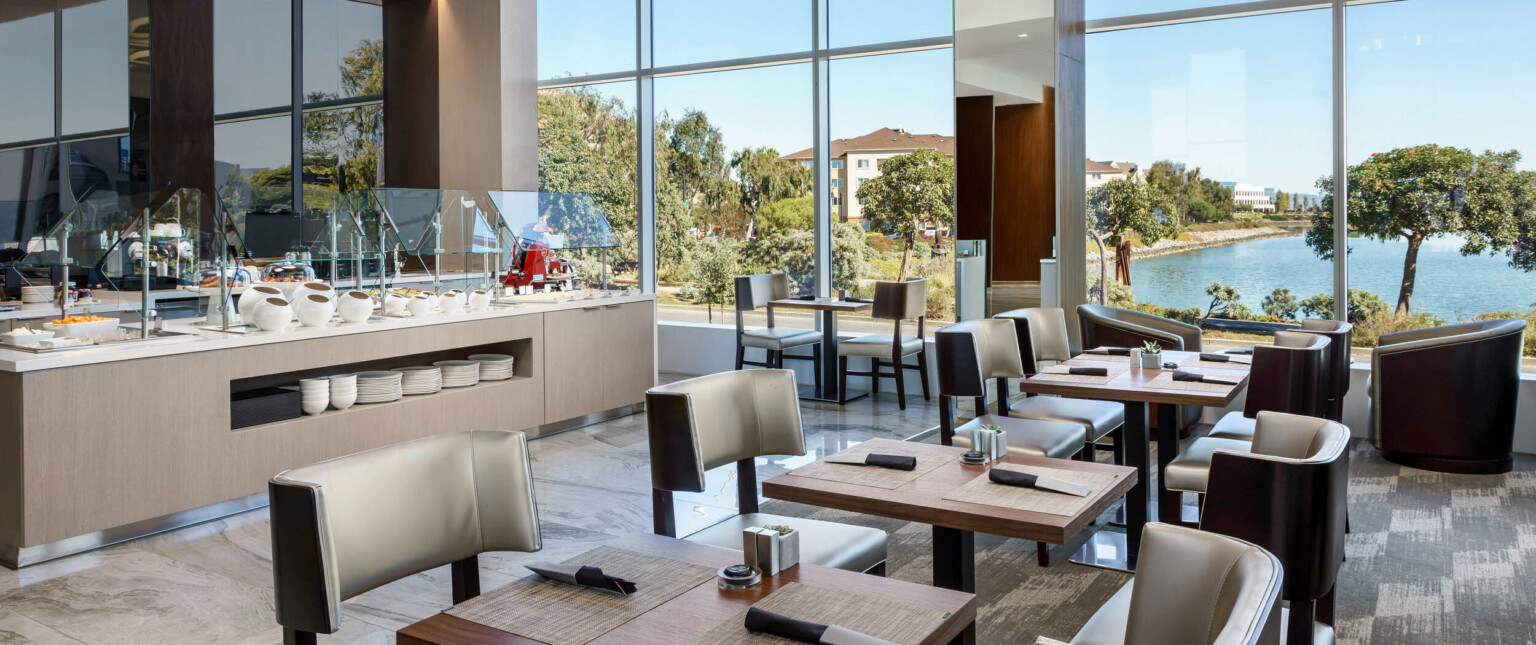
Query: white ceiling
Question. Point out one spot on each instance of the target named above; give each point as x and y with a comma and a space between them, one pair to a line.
992, 59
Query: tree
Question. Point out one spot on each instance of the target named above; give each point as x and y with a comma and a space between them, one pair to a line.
696, 156
1424, 192
1185, 188
1200, 211
793, 214
714, 274
1223, 298
1282, 201
1121, 206
587, 145
850, 255
912, 192
1362, 305
1280, 303
765, 178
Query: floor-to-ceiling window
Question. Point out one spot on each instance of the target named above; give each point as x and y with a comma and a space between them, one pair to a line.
587, 146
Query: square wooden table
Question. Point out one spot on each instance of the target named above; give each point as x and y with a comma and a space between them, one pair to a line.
829, 308
1134, 388
688, 616
955, 523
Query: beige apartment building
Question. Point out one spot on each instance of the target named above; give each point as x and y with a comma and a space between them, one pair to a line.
1100, 172
857, 160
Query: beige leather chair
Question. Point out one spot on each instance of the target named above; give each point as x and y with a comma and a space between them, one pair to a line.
1191, 588
712, 421
1275, 435
1103, 326
1042, 336
1289, 376
754, 292
896, 302
348, 525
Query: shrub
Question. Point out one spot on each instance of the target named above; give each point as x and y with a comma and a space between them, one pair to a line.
1120, 295
1280, 304
1362, 305
1200, 211
1529, 316
1368, 330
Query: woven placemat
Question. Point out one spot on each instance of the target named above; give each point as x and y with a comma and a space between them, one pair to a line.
565, 614
982, 491
929, 457
876, 617
1114, 372
1165, 381
1197, 362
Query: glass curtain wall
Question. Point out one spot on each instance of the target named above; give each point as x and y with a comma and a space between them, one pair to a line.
587, 144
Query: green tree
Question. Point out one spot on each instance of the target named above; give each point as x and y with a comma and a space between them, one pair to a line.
1362, 305
850, 255
793, 214
1186, 187
765, 178
1223, 298
675, 239
1122, 206
1280, 303
1200, 211
696, 157
912, 192
714, 274
1282, 202
587, 146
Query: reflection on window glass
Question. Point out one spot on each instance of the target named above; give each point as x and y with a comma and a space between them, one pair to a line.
692, 31
342, 150
343, 50
587, 146
863, 22
1203, 170
253, 174
252, 55
731, 195
29, 196
1453, 142
99, 170
1115, 8
26, 74
897, 108
588, 37
95, 76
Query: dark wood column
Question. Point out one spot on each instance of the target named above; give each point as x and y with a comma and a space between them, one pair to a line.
1024, 194
973, 168
181, 81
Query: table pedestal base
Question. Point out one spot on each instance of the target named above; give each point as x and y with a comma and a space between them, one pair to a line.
1106, 550
826, 395
1189, 514
954, 567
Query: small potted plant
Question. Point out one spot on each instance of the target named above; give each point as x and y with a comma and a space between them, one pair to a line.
991, 441
1151, 355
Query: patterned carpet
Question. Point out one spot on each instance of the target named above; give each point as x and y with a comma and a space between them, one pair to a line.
1433, 559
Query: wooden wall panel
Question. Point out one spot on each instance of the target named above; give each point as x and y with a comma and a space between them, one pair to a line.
11, 466
181, 114
411, 96
1024, 202
973, 168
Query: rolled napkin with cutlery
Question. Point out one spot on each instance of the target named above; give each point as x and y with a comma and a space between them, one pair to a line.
1076, 371
1227, 358
585, 576
1246, 351
897, 462
1196, 377
860, 300
1111, 351
1026, 480
768, 622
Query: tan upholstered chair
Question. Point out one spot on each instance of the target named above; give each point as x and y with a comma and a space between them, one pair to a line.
896, 302
1290, 376
735, 417
754, 292
1190, 471
1103, 326
1042, 334
1191, 588
348, 525
1341, 337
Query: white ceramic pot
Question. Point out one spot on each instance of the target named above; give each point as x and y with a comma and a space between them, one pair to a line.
394, 305
480, 300
432, 300
355, 306
420, 306
311, 288
313, 309
252, 298
273, 313
451, 302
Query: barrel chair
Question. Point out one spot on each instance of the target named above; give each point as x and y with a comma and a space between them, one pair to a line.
1299, 468
1341, 336
1042, 336
971, 352
1444, 398
1289, 376
1191, 588
754, 292
348, 525
896, 302
735, 417
1103, 326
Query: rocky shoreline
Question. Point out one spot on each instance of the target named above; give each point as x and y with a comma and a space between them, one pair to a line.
1203, 240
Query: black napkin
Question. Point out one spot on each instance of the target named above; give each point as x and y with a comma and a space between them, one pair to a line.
784, 626
1088, 371
805, 297
594, 577
898, 462
1181, 375
1240, 351
1115, 351
1011, 478
857, 300
1215, 358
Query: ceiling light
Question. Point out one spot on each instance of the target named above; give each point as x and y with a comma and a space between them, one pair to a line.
1023, 35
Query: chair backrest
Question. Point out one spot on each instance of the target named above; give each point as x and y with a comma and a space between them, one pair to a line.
1299, 467
348, 525
973, 351
1462, 380
1200, 588
1113, 327
1042, 333
1289, 375
1341, 337
710, 421
755, 291
900, 300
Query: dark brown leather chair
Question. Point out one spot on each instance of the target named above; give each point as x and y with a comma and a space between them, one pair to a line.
1042, 334
1443, 399
1341, 336
1289, 376
1113, 327
754, 292
1288, 496
896, 302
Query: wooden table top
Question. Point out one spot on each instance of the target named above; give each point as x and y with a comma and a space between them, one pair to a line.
922, 500
822, 304
698, 610
1132, 385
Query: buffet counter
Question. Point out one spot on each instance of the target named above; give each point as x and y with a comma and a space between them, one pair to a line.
102, 444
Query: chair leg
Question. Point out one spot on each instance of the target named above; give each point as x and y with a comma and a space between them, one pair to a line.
741, 355
816, 365
1299, 625
1325, 606
1042, 554
1119, 447
465, 578
842, 380
874, 376
295, 637
922, 371
877, 570
1089, 451
901, 382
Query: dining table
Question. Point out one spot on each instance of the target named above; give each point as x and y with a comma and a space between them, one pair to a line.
704, 608
1140, 389
828, 308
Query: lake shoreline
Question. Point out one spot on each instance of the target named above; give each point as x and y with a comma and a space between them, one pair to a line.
1207, 240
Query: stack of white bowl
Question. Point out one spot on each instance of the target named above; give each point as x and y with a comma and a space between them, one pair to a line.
378, 387
420, 380
459, 373
343, 391
494, 367
314, 395
36, 294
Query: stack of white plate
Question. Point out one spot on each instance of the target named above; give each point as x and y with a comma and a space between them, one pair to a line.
420, 380
459, 373
378, 387
39, 293
494, 367
314, 395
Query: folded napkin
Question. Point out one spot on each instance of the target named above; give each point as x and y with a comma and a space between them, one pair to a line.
805, 297
857, 300
1227, 358
585, 576
1076, 371
898, 462
1181, 375
806, 632
1239, 352
1026, 480
1112, 351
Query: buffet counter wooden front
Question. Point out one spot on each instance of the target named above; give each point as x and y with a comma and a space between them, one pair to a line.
135, 437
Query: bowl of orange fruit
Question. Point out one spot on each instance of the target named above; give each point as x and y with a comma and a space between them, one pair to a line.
84, 326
